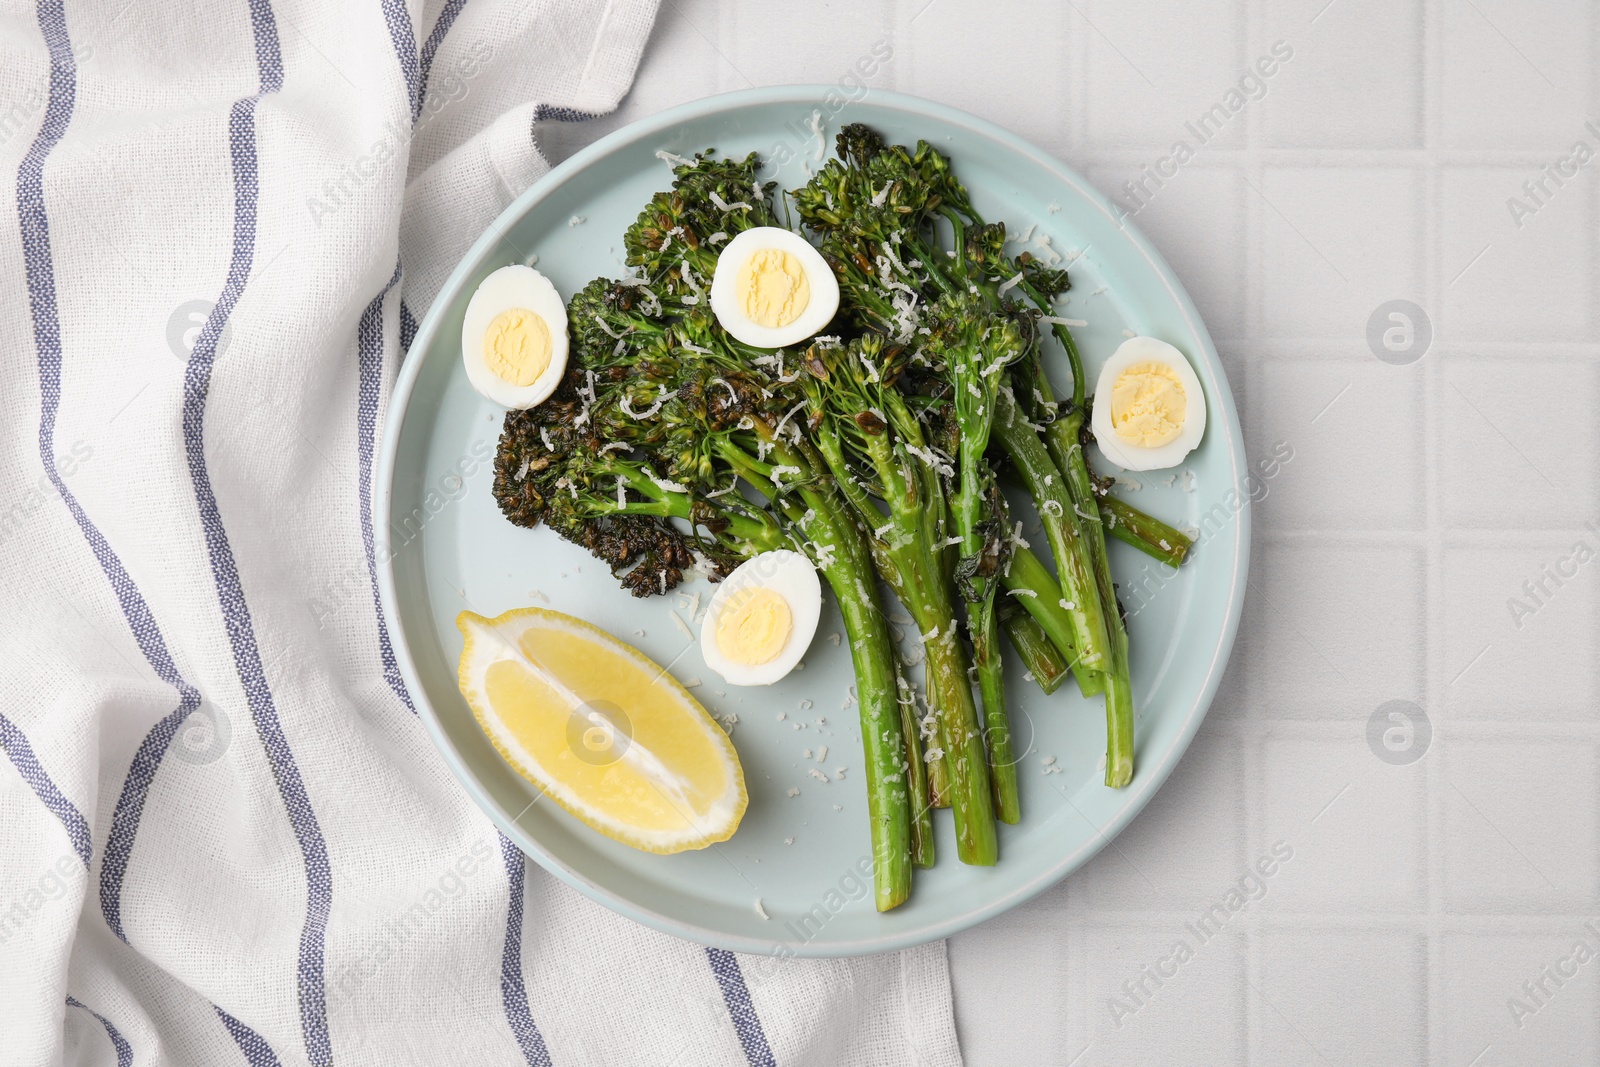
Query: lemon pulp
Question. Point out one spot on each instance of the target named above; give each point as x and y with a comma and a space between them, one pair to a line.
609, 735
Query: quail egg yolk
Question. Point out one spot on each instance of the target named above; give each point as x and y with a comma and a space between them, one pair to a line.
516, 346
772, 288
754, 626
1148, 405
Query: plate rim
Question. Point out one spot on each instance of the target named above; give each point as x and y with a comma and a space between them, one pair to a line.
1161, 764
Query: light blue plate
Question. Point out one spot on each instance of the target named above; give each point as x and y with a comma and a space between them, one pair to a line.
799, 854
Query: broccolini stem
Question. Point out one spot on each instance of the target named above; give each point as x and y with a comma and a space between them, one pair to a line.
922, 852
1064, 440
1064, 335
938, 769
758, 531
888, 798
1065, 443
842, 557
1043, 660
1032, 585
926, 598
888, 567
983, 626
985, 633
1059, 517
1148, 534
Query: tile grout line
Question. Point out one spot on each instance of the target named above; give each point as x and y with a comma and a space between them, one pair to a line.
1432, 36
1575, 731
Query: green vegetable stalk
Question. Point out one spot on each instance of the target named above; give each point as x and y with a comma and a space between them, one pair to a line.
1149, 535
1119, 680
919, 796
1074, 566
866, 434
975, 346
1064, 439
1039, 655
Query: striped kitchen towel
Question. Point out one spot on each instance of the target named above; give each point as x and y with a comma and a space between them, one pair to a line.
227, 838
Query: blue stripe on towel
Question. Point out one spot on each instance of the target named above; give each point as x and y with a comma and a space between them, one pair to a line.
27, 764
224, 569
560, 114
430, 47
513, 992
746, 1023
408, 327
130, 806
369, 354
118, 1042
405, 50
35, 227
256, 1051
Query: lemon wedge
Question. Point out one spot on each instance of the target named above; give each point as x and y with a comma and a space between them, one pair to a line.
601, 729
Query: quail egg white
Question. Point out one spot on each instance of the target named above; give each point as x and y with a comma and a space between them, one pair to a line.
1149, 410
762, 618
772, 288
514, 337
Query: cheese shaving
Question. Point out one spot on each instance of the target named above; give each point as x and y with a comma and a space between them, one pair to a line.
666, 484
674, 160
626, 405
724, 206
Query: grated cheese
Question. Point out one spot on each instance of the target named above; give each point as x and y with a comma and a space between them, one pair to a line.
673, 160
724, 206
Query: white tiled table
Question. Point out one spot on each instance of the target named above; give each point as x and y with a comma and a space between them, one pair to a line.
1377, 166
